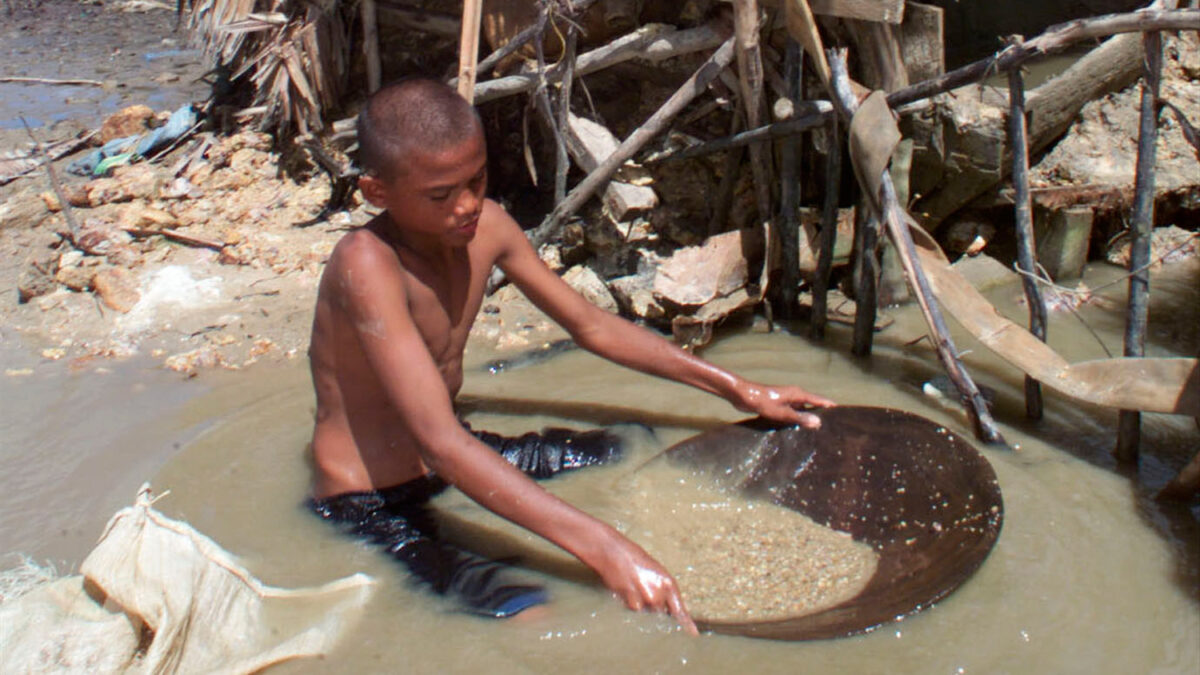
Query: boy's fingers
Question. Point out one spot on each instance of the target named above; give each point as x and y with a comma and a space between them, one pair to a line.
809, 420
675, 604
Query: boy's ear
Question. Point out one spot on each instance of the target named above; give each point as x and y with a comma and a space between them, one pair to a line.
374, 189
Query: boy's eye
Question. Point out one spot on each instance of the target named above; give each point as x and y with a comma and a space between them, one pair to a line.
440, 196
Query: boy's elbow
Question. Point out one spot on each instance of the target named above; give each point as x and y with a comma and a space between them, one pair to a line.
438, 450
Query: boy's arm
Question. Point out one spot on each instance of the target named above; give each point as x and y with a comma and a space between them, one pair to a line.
620, 341
371, 287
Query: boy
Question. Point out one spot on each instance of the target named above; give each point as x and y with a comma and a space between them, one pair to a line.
395, 305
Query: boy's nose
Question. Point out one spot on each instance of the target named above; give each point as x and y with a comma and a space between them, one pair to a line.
468, 202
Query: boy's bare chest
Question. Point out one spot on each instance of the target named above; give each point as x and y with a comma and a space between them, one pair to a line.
443, 307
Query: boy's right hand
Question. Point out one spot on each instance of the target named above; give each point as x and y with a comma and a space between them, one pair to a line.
640, 581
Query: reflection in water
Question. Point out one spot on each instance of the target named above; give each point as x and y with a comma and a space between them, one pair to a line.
1085, 577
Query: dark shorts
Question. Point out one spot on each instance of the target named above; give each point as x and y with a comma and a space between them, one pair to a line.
399, 520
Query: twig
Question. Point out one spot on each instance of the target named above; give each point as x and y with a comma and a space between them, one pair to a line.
1026, 250
1121, 279
1129, 423
42, 80
175, 236
564, 113
985, 426
688, 91
541, 99
68, 214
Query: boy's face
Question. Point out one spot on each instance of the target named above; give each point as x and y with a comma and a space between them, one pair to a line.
437, 194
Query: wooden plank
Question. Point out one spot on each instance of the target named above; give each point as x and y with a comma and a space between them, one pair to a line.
888, 11
923, 41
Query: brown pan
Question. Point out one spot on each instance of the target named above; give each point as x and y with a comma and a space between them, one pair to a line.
924, 498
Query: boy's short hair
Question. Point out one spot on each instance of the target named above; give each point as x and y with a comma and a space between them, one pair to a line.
416, 112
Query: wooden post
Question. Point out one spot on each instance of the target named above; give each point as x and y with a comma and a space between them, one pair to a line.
866, 276
1129, 426
789, 195
750, 79
370, 26
829, 223
732, 168
468, 48
1026, 249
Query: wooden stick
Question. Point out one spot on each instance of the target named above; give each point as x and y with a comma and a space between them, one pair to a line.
51, 81
687, 92
1026, 250
468, 48
893, 217
809, 115
68, 214
653, 43
829, 223
370, 26
1129, 423
175, 236
541, 99
866, 277
789, 195
564, 112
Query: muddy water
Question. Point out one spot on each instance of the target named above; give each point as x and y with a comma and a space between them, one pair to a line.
1088, 575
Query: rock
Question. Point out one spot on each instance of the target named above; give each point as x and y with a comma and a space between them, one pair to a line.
76, 277
128, 122
69, 259
51, 200
141, 216
140, 181
969, 236
591, 287
636, 296
33, 283
698, 274
552, 256
117, 287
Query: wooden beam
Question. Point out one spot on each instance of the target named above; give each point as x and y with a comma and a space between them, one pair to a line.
887, 11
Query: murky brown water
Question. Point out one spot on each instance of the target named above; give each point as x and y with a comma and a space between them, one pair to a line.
1087, 576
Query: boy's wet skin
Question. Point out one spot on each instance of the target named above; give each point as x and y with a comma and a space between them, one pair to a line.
394, 310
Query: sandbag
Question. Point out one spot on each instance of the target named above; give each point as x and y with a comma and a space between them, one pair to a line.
157, 596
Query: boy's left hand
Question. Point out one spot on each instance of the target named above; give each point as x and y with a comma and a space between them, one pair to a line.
782, 404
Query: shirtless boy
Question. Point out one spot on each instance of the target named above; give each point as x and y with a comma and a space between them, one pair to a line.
394, 308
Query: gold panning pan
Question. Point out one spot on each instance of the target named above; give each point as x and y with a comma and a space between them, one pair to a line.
922, 497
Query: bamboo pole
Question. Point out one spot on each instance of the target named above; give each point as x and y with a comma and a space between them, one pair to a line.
1129, 424
1026, 250
370, 26
686, 93
893, 217
829, 223
468, 48
866, 277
